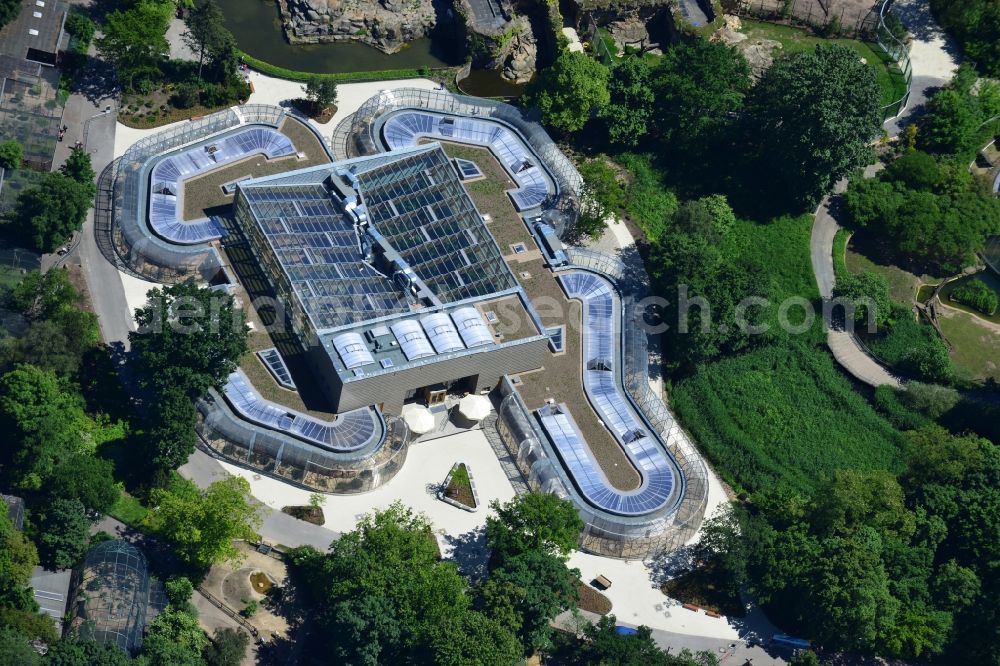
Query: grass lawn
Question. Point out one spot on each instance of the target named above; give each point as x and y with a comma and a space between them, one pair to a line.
796, 40
840, 252
976, 343
129, 510
903, 284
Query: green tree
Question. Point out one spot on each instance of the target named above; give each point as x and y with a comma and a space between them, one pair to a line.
930, 362
949, 125
812, 116
868, 294
227, 648
11, 155
321, 92
206, 33
722, 547
542, 587
9, 9
382, 595
915, 169
698, 84
44, 295
78, 167
18, 558
85, 478
174, 639
48, 213
533, 522
171, 436
630, 107
63, 533
179, 591
204, 523
134, 40
44, 419
976, 25
188, 338
85, 653
602, 195
15, 648
570, 92
473, 639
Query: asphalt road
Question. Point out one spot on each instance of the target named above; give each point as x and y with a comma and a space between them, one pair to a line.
278, 527
81, 116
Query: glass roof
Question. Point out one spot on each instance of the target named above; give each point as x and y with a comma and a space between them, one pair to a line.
413, 199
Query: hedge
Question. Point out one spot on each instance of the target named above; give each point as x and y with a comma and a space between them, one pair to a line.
341, 77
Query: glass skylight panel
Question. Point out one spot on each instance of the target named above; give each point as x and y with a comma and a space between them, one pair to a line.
471, 327
412, 340
167, 175
351, 431
611, 404
442, 333
274, 362
353, 350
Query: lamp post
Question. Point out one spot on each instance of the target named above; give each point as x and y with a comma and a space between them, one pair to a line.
86, 123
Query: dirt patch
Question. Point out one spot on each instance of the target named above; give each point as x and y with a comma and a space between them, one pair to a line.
237, 585
310, 514
698, 587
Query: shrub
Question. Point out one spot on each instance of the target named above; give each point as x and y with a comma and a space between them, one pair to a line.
186, 95
649, 204
82, 29
977, 295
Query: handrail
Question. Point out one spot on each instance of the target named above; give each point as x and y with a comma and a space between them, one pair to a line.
221, 605
896, 50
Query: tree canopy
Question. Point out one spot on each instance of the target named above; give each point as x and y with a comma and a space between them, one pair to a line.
976, 26
207, 34
63, 533
134, 40
48, 213
11, 155
189, 338
202, 524
569, 92
533, 521
698, 85
811, 117
382, 595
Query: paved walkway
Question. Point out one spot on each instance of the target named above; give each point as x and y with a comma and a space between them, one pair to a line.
845, 348
933, 56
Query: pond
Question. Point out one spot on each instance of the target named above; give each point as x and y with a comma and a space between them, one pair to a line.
256, 25
987, 276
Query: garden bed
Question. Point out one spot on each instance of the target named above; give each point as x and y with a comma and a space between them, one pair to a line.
592, 600
310, 514
698, 588
459, 488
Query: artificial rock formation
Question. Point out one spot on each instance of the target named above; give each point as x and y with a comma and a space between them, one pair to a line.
388, 25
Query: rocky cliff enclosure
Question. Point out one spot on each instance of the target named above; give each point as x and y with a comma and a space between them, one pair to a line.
388, 25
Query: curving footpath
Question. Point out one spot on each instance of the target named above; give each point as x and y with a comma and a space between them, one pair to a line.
933, 57
845, 348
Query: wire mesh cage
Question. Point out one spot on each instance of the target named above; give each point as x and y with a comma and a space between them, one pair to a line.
111, 595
